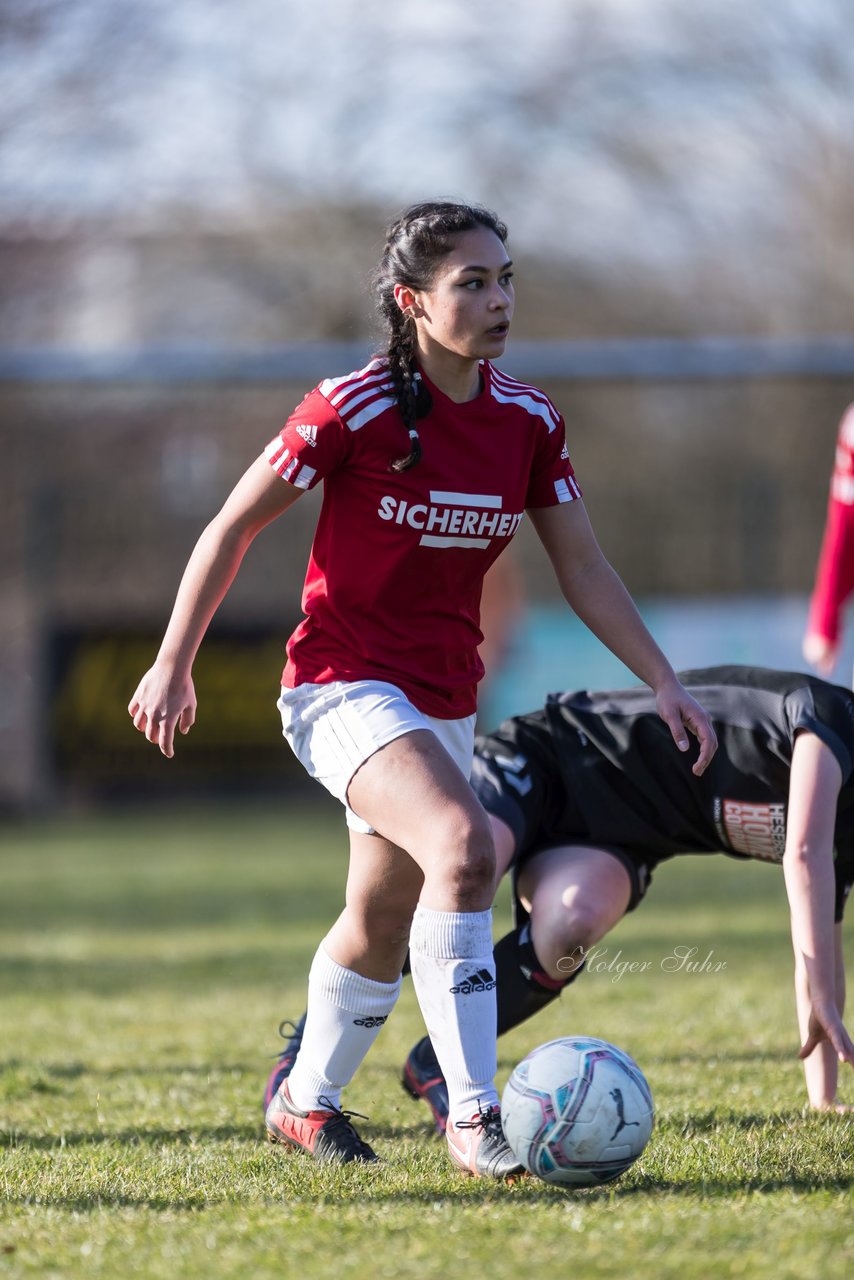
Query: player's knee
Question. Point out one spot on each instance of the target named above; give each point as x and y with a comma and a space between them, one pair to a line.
472, 872
465, 856
581, 922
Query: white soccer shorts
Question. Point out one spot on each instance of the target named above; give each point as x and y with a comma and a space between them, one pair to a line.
333, 729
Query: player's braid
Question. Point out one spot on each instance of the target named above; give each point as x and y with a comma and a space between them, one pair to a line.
415, 245
401, 367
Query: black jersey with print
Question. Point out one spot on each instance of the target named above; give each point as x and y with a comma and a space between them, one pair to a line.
603, 767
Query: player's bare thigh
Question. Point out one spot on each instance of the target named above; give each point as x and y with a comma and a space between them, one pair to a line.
416, 797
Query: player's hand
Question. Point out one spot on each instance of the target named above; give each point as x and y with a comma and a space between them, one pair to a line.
820, 653
162, 703
841, 1108
680, 711
826, 1024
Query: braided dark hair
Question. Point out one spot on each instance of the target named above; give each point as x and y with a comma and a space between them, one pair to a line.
415, 244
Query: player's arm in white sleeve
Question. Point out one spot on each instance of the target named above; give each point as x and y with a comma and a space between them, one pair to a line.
165, 698
816, 778
593, 590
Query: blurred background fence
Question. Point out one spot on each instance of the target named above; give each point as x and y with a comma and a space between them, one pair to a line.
191, 203
705, 466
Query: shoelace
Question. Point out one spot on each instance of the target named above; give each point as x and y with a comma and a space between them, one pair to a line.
343, 1118
486, 1119
339, 1112
296, 1032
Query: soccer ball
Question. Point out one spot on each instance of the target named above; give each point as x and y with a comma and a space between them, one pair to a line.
577, 1111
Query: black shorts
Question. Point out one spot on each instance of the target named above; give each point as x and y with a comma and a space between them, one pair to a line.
516, 777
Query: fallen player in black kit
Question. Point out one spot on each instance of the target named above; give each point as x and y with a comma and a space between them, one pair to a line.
585, 800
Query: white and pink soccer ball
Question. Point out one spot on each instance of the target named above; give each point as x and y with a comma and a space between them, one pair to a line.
577, 1111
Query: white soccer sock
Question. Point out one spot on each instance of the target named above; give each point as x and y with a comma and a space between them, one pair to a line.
345, 1014
450, 954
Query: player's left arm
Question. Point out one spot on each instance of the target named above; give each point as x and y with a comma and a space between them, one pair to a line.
821, 1068
594, 591
816, 778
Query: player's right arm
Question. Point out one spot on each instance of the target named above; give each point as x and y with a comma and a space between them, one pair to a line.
165, 699
816, 779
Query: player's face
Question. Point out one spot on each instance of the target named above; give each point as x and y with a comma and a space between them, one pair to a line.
467, 310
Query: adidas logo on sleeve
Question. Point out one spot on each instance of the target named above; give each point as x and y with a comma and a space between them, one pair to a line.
308, 433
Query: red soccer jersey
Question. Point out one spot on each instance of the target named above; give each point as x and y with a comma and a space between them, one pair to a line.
394, 578
835, 574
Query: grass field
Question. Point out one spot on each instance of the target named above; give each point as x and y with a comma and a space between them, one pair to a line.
145, 962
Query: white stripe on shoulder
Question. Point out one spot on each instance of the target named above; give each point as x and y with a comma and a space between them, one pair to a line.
370, 411
368, 393
509, 390
337, 390
532, 406
328, 386
361, 396
510, 384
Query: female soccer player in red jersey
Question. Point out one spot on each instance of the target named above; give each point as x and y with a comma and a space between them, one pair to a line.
834, 579
378, 693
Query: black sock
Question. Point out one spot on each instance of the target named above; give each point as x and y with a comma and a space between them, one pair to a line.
521, 986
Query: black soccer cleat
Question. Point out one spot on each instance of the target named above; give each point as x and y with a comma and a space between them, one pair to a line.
422, 1078
326, 1134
